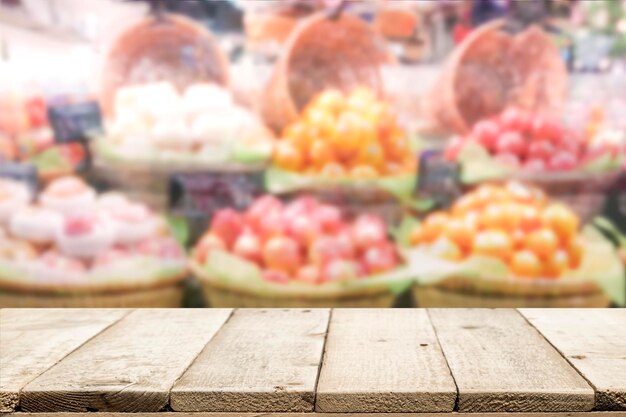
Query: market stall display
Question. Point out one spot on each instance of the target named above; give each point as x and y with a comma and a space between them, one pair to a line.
71, 247
304, 253
511, 245
169, 109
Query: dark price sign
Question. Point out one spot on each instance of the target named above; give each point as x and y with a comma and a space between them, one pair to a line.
200, 195
438, 178
75, 122
23, 172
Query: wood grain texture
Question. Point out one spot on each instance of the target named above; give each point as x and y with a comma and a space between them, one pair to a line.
594, 342
209, 414
261, 360
501, 363
383, 360
129, 367
33, 340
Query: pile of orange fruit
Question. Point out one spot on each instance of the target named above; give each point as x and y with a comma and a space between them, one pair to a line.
515, 223
346, 135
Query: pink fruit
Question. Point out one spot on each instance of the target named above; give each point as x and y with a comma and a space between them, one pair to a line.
508, 159
283, 254
248, 246
541, 149
563, 161
262, 207
543, 127
279, 277
345, 244
273, 224
329, 218
454, 148
515, 119
368, 230
486, 133
534, 165
339, 270
303, 229
164, 248
309, 274
300, 206
228, 225
379, 258
511, 142
324, 249
79, 225
209, 242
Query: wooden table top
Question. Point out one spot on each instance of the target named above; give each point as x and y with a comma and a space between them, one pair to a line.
233, 362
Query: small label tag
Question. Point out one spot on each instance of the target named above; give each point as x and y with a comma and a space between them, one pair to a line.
75, 122
438, 178
200, 195
23, 172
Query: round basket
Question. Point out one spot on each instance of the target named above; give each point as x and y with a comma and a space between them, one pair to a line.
166, 297
220, 294
514, 293
322, 52
493, 69
162, 47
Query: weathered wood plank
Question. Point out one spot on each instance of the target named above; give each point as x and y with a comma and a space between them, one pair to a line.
383, 360
33, 340
501, 363
209, 414
261, 360
594, 342
129, 367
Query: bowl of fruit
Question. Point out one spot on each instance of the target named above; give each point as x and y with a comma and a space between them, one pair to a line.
539, 149
347, 147
304, 253
70, 247
510, 246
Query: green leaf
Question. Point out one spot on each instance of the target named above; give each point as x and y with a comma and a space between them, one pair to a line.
478, 166
180, 229
607, 226
50, 159
402, 232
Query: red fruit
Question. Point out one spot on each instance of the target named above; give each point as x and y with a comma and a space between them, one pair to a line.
367, 231
37, 112
379, 258
248, 246
164, 248
508, 159
540, 149
511, 142
279, 277
303, 229
563, 161
309, 274
301, 206
324, 249
345, 245
283, 254
329, 218
273, 224
228, 225
534, 165
486, 133
454, 148
262, 207
543, 127
515, 119
340, 270
208, 243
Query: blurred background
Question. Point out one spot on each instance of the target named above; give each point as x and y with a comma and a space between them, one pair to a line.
312, 153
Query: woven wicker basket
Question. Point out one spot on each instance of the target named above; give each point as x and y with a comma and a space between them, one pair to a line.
219, 294
459, 292
492, 69
322, 53
162, 47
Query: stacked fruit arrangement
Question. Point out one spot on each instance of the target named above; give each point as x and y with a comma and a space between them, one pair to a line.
71, 238
518, 139
304, 241
352, 136
25, 135
514, 223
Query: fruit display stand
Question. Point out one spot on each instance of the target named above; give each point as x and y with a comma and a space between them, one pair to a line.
302, 254
508, 246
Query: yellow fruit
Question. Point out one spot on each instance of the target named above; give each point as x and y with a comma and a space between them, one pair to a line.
287, 156
333, 170
363, 172
525, 264
320, 153
494, 243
